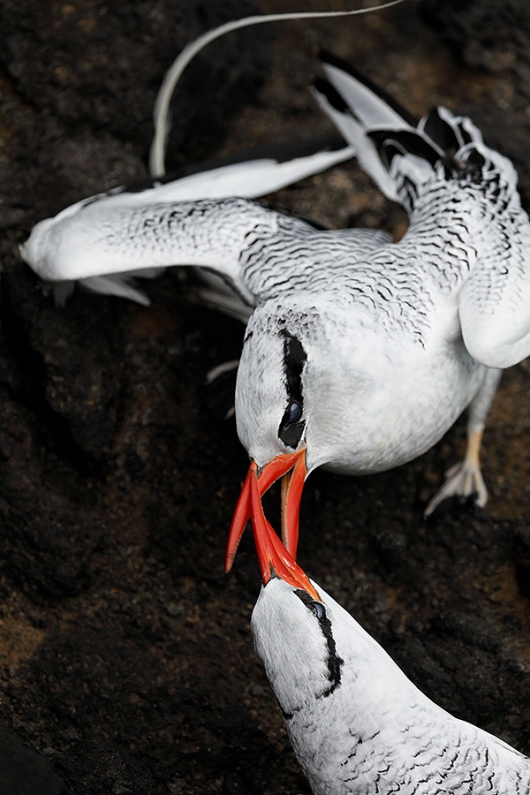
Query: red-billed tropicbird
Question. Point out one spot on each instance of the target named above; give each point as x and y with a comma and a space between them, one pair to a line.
360, 352
357, 724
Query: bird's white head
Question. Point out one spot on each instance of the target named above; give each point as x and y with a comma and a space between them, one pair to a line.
272, 383
297, 384
293, 637
272, 412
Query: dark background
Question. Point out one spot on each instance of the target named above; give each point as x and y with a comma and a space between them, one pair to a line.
125, 653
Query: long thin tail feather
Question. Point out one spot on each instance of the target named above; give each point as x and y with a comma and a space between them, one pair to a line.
161, 110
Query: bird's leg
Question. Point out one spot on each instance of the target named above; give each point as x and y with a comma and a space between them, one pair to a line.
464, 480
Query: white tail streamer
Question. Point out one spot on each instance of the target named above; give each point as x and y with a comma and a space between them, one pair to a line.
172, 76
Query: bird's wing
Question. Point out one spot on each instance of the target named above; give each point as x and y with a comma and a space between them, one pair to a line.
227, 236
121, 285
251, 174
356, 105
486, 230
494, 297
399, 152
87, 242
494, 302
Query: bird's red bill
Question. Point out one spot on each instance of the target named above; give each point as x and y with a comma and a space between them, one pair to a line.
290, 466
274, 559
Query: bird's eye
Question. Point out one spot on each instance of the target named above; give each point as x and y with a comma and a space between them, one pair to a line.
294, 413
292, 425
318, 609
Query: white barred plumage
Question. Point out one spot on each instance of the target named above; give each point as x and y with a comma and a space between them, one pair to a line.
360, 352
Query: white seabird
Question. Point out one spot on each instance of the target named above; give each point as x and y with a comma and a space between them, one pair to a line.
357, 724
360, 352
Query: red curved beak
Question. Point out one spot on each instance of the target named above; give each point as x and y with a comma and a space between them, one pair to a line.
290, 466
274, 559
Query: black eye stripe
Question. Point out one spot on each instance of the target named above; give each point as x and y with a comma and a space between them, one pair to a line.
334, 662
294, 359
308, 600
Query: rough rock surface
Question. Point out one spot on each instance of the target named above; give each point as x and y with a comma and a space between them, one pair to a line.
125, 652
493, 37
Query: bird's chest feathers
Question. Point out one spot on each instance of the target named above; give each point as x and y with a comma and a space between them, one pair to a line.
390, 400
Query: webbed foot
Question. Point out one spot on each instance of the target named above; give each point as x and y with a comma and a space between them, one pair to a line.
464, 482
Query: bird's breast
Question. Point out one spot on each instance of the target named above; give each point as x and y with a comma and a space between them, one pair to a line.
389, 407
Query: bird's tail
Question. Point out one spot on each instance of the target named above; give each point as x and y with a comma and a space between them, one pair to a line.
399, 152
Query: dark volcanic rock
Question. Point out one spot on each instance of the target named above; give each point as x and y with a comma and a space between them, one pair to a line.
46, 538
93, 769
491, 34
125, 652
97, 66
521, 557
89, 73
25, 772
86, 401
